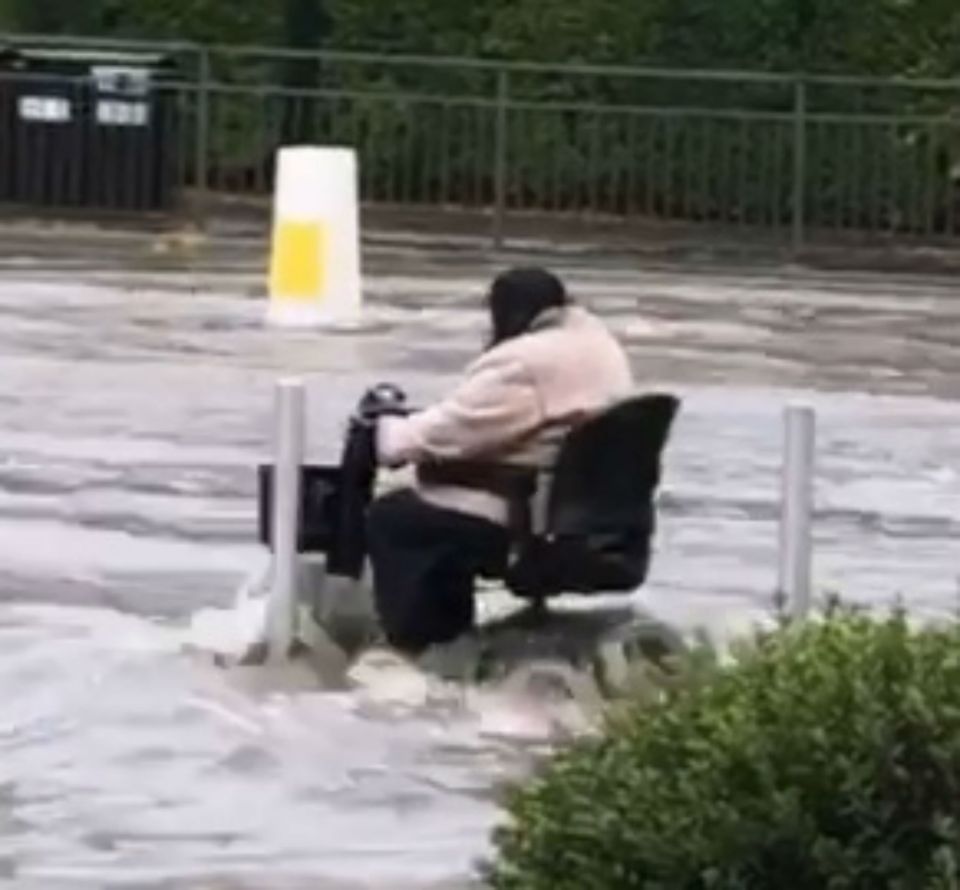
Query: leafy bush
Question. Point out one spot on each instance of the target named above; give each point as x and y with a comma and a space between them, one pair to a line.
823, 756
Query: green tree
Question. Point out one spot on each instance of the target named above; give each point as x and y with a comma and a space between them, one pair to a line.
7, 16
884, 36
583, 31
417, 26
52, 16
306, 26
207, 21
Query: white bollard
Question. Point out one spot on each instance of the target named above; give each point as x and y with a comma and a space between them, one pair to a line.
315, 277
796, 522
282, 603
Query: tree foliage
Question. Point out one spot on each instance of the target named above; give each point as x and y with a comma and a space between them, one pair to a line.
894, 36
706, 163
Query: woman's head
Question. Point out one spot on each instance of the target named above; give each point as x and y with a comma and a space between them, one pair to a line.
519, 296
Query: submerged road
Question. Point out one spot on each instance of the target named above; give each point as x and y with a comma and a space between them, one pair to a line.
135, 387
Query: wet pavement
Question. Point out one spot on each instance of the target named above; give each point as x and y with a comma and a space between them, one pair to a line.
135, 387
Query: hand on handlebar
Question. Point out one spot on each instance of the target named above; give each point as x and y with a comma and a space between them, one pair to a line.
382, 400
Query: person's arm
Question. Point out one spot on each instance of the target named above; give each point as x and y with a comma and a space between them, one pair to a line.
495, 406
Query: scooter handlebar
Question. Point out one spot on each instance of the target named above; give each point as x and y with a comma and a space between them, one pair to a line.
382, 400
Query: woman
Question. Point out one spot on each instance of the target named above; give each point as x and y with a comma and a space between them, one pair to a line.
550, 365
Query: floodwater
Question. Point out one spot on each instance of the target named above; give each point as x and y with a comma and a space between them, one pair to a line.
134, 401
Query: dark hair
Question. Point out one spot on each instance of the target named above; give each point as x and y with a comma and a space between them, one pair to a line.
518, 296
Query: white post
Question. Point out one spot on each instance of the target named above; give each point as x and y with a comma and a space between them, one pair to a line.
796, 522
315, 275
282, 605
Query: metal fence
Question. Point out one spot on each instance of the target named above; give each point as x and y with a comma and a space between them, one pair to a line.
800, 158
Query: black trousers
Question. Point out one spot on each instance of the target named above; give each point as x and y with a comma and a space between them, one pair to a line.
425, 563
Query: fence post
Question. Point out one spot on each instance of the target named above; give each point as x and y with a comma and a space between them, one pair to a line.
282, 604
201, 161
500, 157
799, 221
796, 520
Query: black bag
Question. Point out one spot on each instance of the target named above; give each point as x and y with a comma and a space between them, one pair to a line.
333, 504
358, 472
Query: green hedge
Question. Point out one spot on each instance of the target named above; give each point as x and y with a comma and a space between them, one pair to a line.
826, 756
890, 36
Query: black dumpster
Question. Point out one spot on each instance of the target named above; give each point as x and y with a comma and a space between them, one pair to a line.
84, 129
7, 123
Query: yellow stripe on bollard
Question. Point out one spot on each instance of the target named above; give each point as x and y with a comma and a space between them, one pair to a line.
298, 266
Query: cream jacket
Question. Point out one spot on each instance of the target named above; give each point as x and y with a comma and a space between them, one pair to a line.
513, 404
